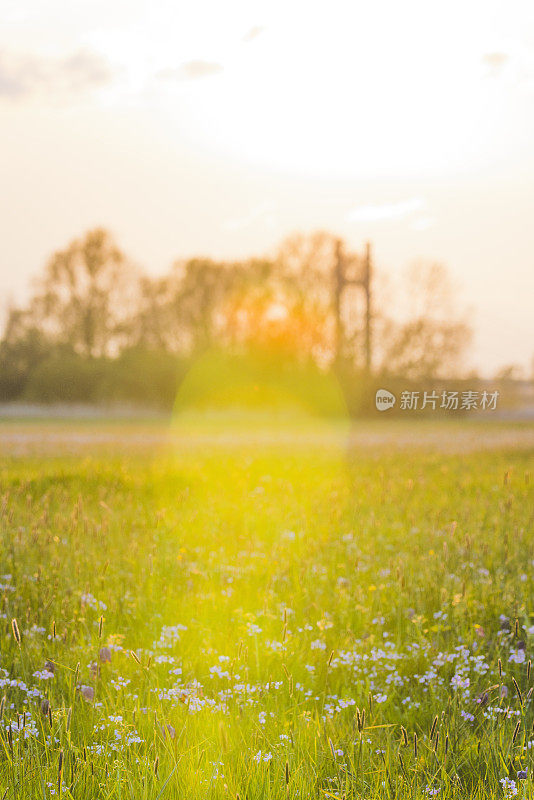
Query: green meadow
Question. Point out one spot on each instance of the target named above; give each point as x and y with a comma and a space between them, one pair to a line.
266, 614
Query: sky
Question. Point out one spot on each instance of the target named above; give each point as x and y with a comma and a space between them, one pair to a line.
218, 128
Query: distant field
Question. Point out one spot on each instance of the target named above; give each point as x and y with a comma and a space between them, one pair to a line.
27, 435
216, 608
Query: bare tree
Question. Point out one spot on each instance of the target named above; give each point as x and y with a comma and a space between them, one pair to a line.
431, 339
304, 304
210, 302
87, 295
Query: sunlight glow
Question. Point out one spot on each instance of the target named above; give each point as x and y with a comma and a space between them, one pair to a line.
359, 91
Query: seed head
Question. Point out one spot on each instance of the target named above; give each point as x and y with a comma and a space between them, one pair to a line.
16, 631
518, 690
60, 772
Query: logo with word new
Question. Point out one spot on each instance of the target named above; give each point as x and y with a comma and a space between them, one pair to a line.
384, 400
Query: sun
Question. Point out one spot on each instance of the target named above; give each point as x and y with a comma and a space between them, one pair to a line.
355, 93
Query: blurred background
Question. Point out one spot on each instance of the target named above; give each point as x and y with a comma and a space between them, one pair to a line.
259, 203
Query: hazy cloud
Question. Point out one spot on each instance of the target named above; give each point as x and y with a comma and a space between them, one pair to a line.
422, 223
262, 213
375, 213
26, 75
192, 70
253, 33
495, 61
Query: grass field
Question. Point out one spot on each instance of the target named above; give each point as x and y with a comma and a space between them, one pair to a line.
266, 617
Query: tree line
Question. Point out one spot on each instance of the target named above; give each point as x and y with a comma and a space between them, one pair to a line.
96, 328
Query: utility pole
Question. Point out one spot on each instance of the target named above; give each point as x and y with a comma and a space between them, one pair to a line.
363, 281
367, 289
339, 284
